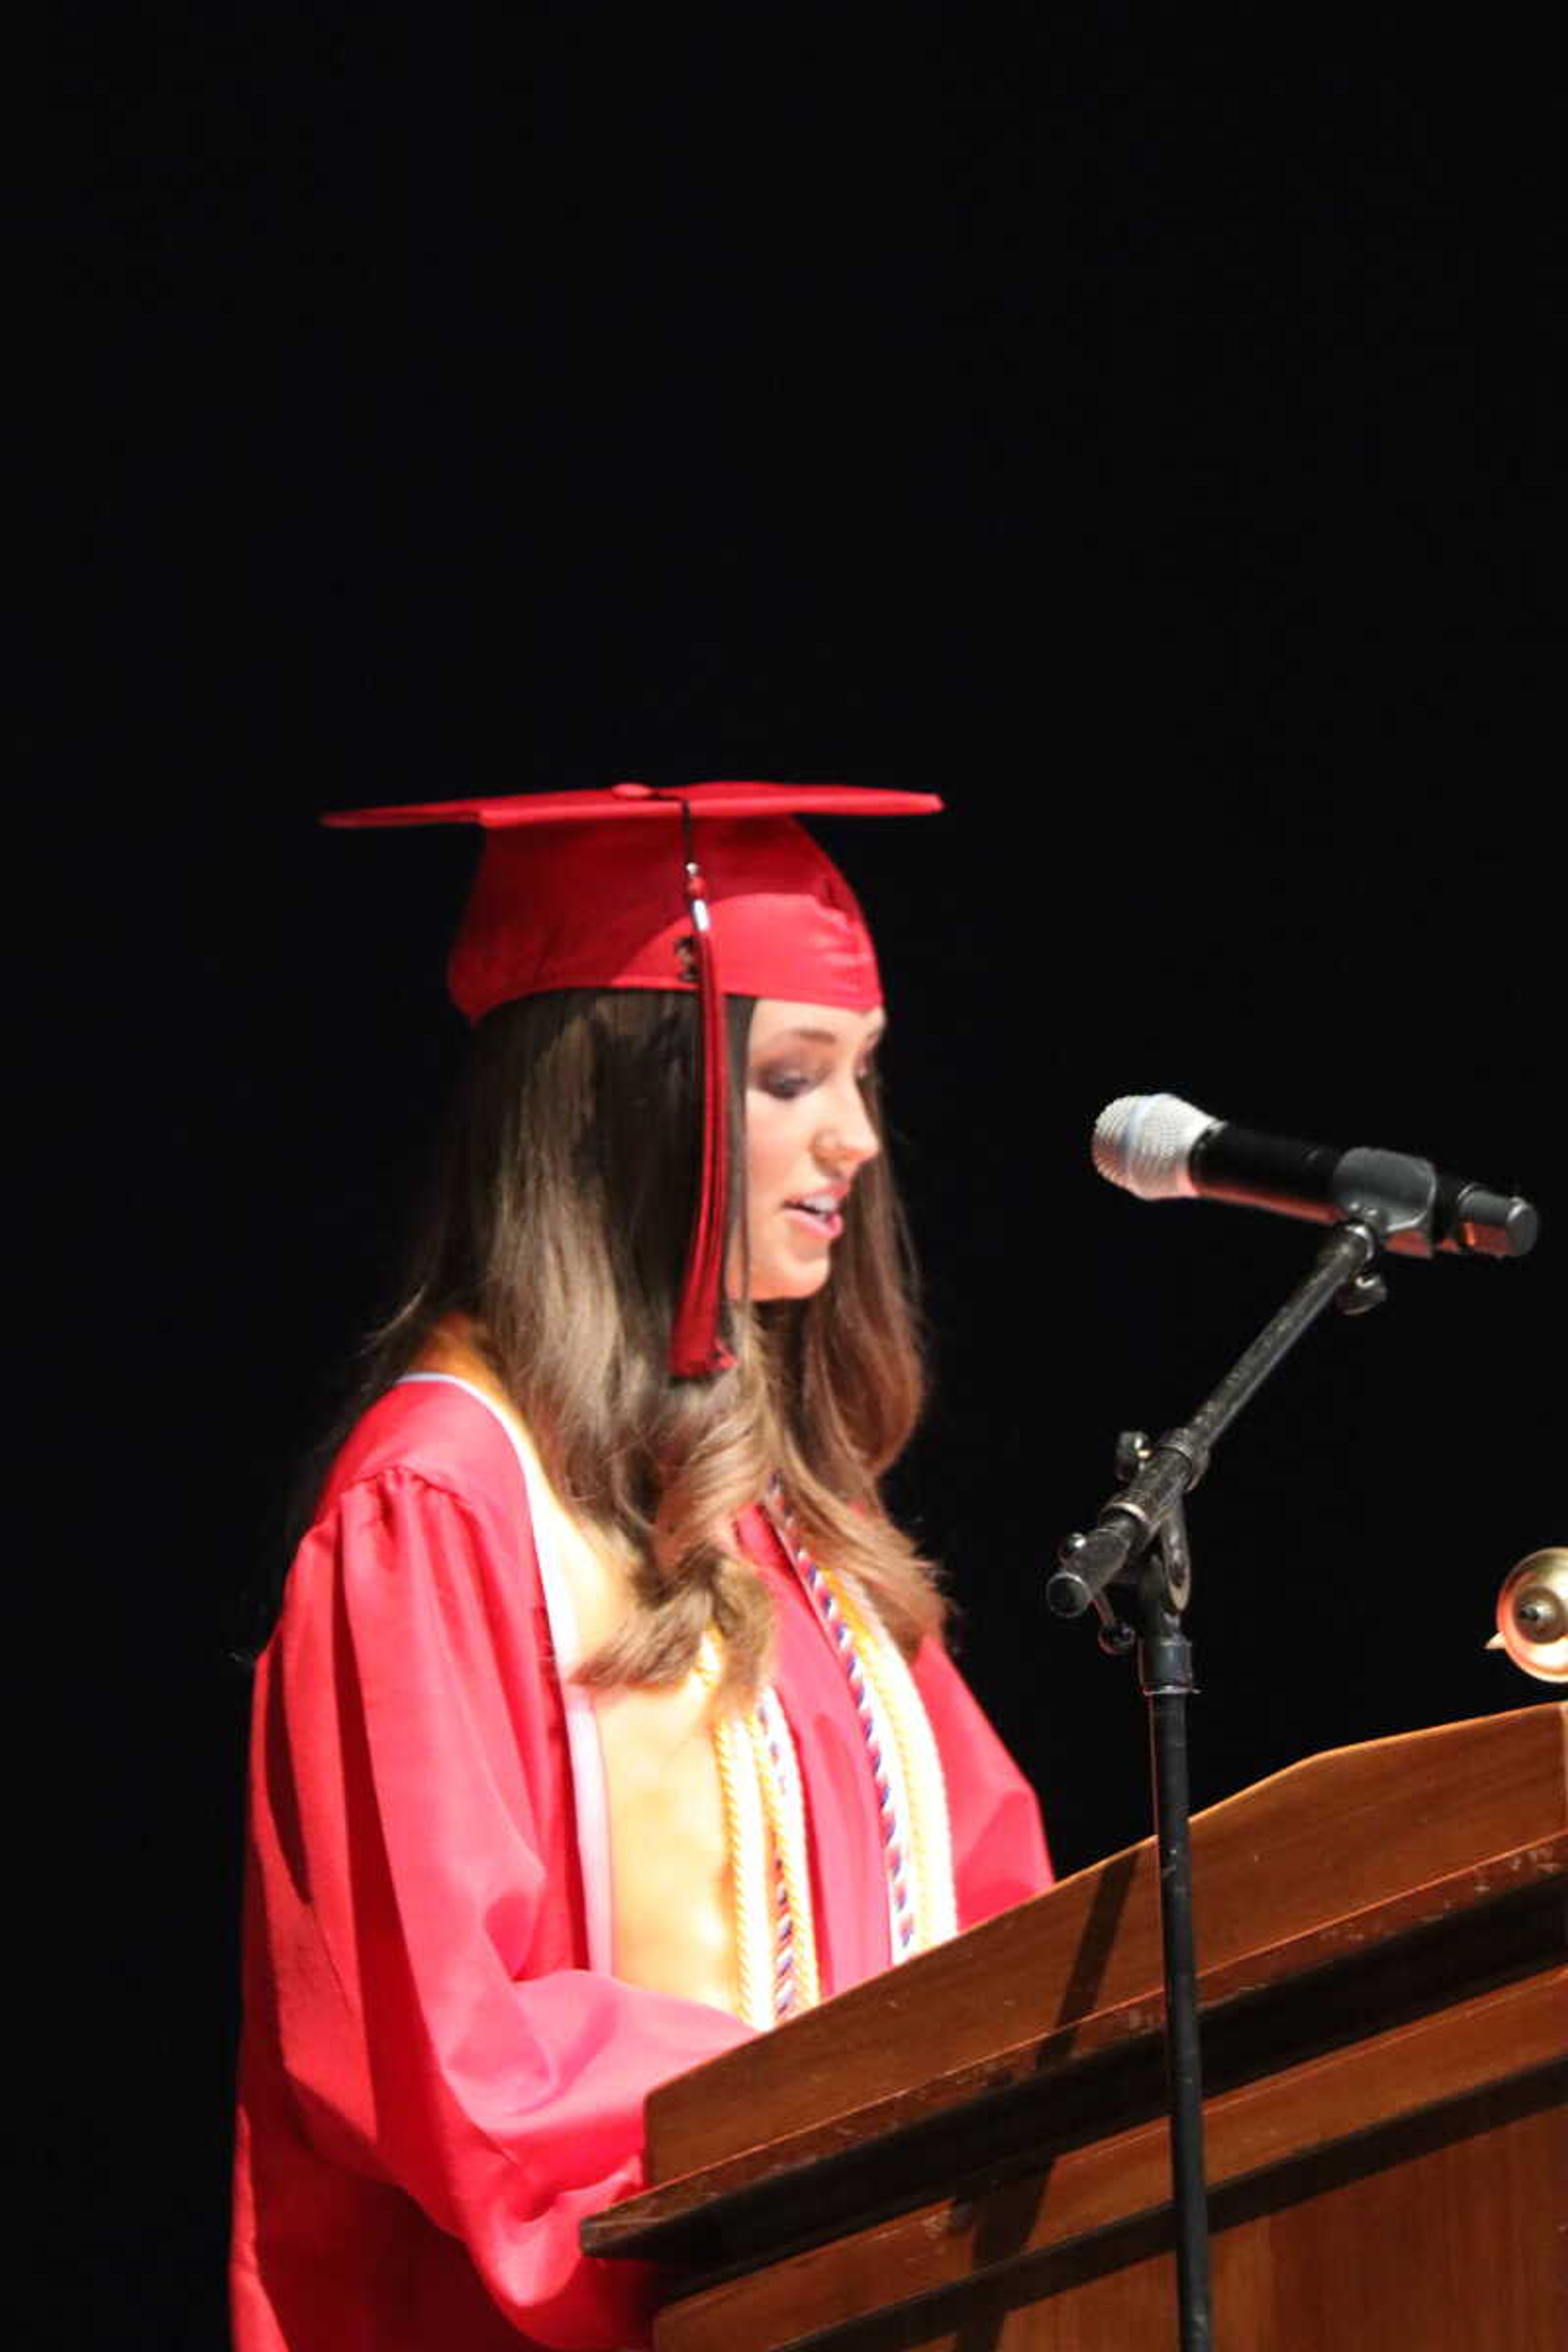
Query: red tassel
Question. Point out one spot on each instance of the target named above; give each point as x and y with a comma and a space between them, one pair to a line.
696, 1347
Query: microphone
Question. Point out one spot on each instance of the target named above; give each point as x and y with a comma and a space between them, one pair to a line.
1162, 1148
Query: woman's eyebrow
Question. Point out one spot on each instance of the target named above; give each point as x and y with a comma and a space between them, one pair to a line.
821, 1037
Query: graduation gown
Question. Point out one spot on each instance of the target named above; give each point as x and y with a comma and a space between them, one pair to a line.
437, 2084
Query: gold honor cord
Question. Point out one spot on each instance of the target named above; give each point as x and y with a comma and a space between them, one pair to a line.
769, 1875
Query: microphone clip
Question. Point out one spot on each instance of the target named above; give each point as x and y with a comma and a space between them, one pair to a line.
1164, 1569
1393, 1195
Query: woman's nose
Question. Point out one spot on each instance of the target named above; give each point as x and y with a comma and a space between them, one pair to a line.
848, 1140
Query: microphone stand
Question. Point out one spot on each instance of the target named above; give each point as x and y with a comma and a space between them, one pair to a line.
1140, 1537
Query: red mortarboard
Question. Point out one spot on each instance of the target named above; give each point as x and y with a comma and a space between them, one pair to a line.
573, 891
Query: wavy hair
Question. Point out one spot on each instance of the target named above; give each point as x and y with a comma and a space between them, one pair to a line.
558, 1221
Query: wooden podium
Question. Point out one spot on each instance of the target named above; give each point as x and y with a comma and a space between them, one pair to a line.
970, 2152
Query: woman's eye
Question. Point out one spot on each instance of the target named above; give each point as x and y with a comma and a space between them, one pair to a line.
784, 1084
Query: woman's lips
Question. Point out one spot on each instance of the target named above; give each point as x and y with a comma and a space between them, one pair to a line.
817, 1214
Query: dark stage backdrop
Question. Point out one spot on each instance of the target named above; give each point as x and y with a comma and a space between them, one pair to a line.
1136, 425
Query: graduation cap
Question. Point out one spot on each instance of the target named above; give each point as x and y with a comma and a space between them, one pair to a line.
711, 889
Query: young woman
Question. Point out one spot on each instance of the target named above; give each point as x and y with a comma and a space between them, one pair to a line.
607, 1719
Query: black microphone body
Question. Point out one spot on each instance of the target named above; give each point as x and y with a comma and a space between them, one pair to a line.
1254, 1170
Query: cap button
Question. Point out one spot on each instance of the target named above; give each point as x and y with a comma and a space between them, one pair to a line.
632, 792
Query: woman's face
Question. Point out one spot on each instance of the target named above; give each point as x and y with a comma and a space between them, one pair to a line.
808, 1134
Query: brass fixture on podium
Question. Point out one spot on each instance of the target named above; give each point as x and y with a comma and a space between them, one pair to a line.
1533, 1615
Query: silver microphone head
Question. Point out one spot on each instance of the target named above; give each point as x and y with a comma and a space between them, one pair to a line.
1144, 1142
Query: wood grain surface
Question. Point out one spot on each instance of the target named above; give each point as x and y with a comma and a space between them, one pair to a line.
971, 2151
1418, 2184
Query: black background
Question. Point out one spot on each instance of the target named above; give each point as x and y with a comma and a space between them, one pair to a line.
1138, 425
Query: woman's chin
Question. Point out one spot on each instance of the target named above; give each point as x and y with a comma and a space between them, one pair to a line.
803, 1281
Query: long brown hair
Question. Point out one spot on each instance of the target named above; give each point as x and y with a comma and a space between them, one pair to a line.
559, 1222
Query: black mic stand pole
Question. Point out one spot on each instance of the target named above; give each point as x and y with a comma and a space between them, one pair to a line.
1141, 1534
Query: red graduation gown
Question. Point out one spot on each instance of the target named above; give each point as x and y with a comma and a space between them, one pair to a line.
434, 2089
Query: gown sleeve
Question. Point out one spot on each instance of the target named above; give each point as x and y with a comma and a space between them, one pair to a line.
999, 1854
413, 1814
